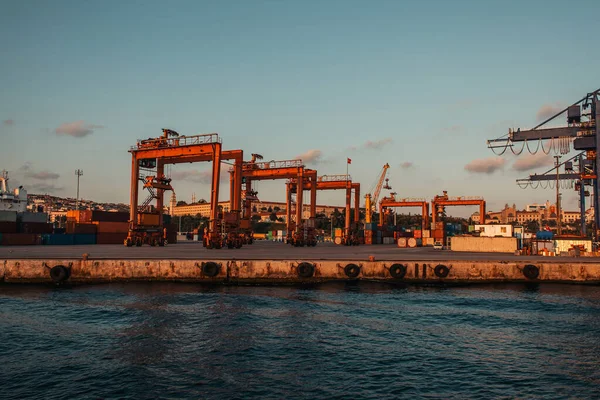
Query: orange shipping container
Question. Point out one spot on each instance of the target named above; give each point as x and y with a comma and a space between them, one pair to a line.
112, 227
111, 238
148, 219
418, 234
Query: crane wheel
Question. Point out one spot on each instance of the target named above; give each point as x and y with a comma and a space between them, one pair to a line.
162, 242
306, 270
128, 242
398, 271
138, 242
153, 242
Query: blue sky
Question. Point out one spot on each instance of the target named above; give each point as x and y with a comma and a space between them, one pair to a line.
420, 85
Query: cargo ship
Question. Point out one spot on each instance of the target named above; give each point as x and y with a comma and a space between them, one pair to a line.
15, 200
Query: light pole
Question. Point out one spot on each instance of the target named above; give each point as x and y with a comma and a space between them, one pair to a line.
558, 224
79, 173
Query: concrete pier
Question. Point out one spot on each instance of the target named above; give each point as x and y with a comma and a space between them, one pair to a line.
269, 262
293, 271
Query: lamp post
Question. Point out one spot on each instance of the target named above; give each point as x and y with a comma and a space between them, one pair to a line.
558, 219
79, 173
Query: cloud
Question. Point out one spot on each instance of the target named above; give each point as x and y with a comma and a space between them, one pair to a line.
77, 129
534, 161
311, 156
377, 144
42, 188
8, 122
548, 110
453, 129
372, 144
407, 165
204, 177
43, 175
29, 172
485, 165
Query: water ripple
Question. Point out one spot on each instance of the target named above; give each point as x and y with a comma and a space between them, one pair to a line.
332, 341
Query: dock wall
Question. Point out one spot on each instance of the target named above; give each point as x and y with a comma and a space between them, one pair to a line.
292, 271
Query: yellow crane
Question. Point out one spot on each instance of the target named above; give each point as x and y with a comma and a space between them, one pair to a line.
371, 200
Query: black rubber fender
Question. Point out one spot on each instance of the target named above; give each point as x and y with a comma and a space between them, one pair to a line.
352, 270
398, 271
531, 271
306, 270
59, 273
441, 271
211, 269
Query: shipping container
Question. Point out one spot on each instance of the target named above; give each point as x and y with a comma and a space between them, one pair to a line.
8, 226
76, 228
20, 239
59, 239
338, 232
111, 238
32, 217
112, 216
148, 219
35, 227
111, 227
8, 216
418, 234
369, 240
84, 238
426, 233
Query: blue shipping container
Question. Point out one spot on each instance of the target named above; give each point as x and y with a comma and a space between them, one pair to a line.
84, 238
59, 239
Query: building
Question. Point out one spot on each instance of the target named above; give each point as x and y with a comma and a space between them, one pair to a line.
533, 212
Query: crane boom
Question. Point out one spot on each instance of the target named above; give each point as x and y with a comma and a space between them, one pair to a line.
371, 200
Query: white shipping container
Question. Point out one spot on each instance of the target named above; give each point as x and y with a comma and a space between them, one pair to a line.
494, 230
563, 245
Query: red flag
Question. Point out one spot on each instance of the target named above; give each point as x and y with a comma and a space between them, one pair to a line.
349, 161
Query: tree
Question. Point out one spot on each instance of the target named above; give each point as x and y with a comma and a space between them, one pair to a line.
273, 217
276, 209
270, 209
181, 203
255, 218
532, 226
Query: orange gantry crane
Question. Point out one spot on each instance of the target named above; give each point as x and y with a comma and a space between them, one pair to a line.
439, 202
335, 182
146, 225
391, 201
371, 199
271, 170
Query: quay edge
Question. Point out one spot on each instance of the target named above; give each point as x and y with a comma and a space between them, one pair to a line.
294, 271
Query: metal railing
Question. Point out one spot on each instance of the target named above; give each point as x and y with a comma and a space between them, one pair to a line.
162, 142
459, 198
334, 178
411, 200
273, 164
